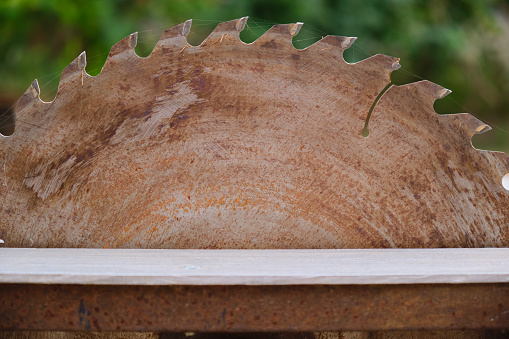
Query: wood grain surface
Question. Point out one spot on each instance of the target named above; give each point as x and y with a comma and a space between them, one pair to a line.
234, 145
253, 267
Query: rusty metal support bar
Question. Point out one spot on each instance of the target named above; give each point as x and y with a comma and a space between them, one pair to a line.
254, 308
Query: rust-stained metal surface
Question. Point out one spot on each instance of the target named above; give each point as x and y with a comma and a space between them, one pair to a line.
254, 308
234, 145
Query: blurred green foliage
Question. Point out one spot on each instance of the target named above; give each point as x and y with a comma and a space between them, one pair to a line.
462, 45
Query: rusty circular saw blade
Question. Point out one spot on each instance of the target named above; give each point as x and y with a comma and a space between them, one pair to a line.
234, 145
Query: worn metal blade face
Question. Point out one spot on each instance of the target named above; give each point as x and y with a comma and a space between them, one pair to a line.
234, 145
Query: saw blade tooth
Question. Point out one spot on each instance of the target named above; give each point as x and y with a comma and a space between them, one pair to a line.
31, 95
186, 27
332, 44
465, 124
342, 42
173, 39
395, 64
429, 90
74, 72
426, 92
348, 42
241, 24
279, 36
482, 128
225, 33
125, 45
179, 31
295, 28
381, 64
133, 41
82, 60
381, 61
443, 93
36, 91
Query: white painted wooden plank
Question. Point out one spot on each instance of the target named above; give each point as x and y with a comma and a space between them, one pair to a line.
253, 267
